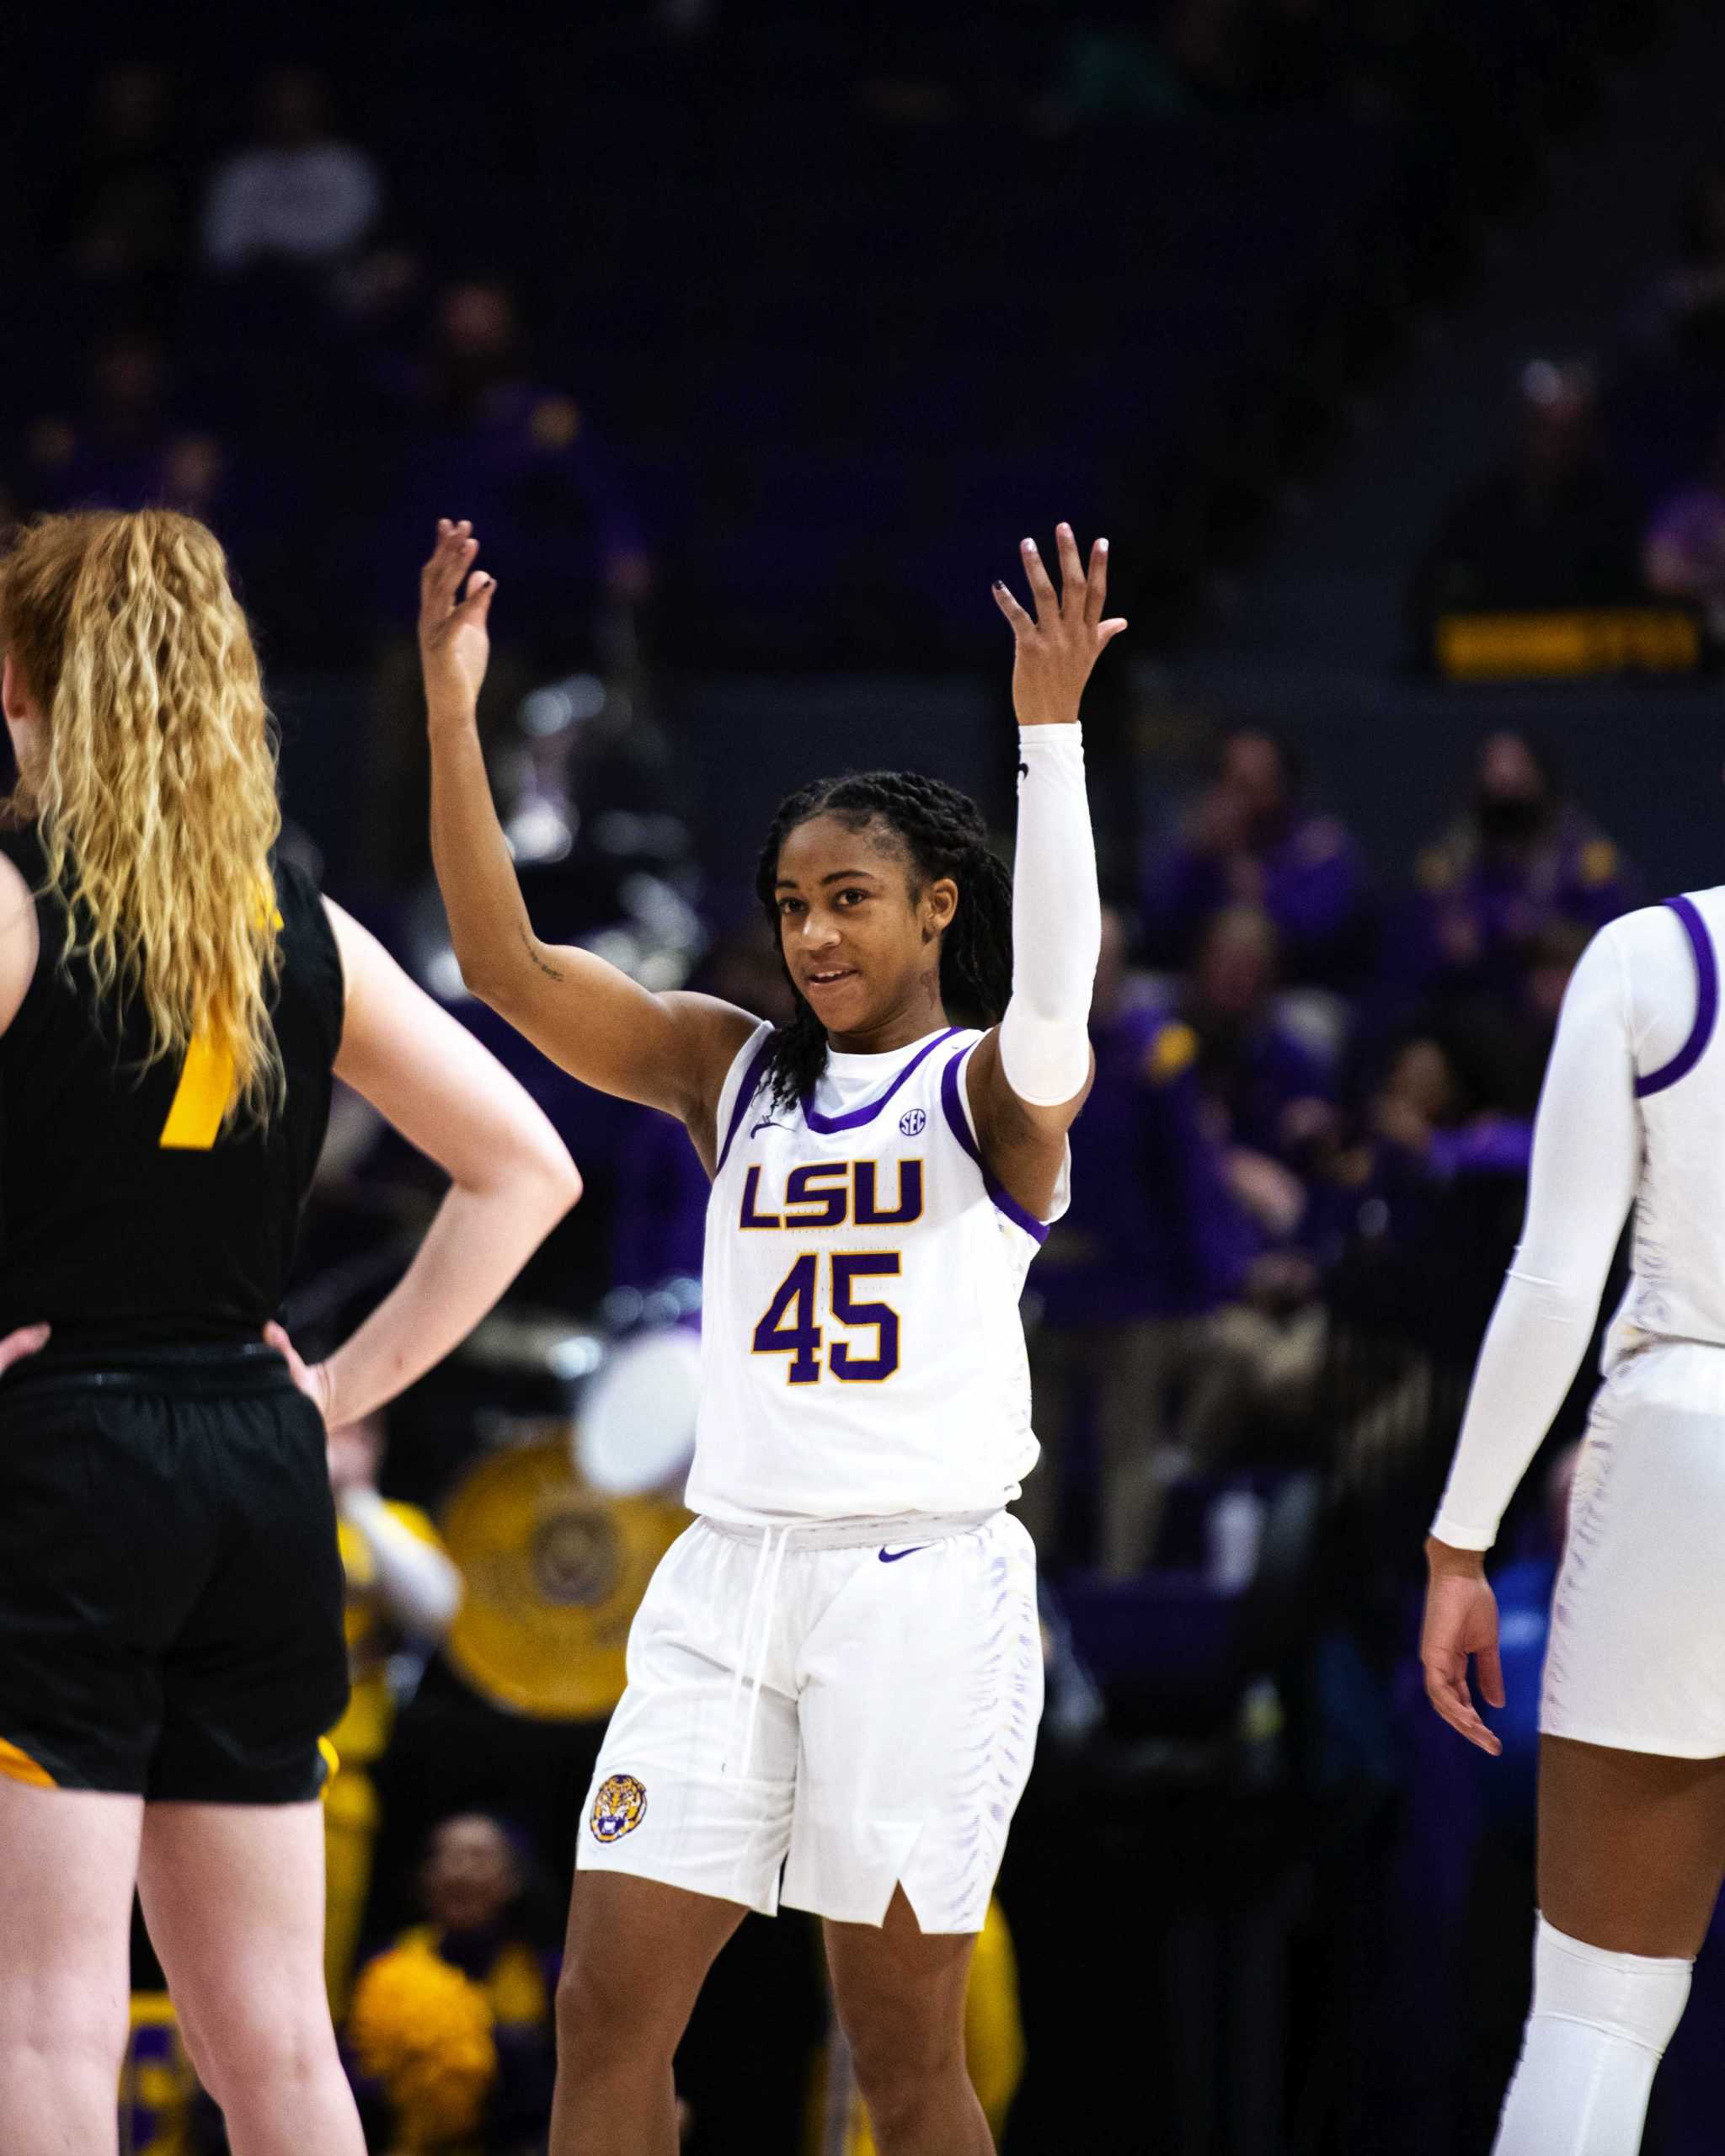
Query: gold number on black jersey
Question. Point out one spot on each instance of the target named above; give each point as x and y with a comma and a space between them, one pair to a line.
206, 1087
200, 1100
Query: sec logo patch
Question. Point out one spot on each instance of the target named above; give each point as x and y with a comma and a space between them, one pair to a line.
912, 1121
618, 1809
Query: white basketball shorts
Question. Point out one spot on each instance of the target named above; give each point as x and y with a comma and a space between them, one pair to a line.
854, 1703
1636, 1655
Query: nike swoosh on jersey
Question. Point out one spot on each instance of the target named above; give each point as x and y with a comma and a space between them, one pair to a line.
892, 1556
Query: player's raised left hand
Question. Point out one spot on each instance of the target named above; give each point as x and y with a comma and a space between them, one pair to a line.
455, 644
1058, 647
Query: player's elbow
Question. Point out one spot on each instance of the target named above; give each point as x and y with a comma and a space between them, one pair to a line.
1563, 1294
491, 972
527, 1167
554, 1176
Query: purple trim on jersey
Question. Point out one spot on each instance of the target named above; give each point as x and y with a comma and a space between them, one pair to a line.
827, 1124
1707, 1003
745, 1095
961, 1130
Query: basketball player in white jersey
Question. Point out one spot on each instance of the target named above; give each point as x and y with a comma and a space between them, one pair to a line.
836, 1672
1632, 1830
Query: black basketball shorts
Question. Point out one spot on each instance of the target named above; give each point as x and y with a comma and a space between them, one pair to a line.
170, 1584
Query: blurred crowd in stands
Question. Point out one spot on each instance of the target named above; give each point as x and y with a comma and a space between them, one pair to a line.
1300, 1075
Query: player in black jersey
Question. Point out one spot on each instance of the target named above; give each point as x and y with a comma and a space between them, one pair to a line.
174, 997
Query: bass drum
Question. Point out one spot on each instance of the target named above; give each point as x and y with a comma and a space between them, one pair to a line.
553, 1572
636, 1434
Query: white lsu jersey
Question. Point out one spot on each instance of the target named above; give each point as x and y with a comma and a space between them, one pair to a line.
1677, 1262
862, 1352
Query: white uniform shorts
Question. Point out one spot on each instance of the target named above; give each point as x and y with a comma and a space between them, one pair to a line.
854, 1703
1636, 1655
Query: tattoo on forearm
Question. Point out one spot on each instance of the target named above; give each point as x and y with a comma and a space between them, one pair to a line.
533, 953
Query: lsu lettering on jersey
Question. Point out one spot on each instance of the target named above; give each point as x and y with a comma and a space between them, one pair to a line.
862, 1352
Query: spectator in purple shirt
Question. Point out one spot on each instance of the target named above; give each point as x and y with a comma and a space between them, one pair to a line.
1153, 1243
525, 460
122, 447
1521, 857
1264, 1088
1249, 839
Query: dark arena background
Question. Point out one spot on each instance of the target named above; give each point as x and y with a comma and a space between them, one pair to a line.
1385, 341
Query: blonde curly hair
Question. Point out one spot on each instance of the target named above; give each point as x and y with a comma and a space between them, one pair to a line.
154, 787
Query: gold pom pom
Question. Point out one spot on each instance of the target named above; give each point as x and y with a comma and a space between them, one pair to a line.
423, 2029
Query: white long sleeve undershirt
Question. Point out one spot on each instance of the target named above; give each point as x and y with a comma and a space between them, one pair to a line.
1057, 921
1629, 1008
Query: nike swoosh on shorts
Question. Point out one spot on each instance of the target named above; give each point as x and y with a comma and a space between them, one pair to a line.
892, 1556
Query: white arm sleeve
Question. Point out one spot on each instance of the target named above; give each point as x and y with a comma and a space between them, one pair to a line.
1586, 1161
1057, 921
420, 1588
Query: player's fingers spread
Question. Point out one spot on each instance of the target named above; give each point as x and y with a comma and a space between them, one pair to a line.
1072, 585
1021, 621
1106, 631
1042, 590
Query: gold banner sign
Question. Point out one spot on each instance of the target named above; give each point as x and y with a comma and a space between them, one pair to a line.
1566, 646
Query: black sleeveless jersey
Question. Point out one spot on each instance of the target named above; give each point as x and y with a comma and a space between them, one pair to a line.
128, 1220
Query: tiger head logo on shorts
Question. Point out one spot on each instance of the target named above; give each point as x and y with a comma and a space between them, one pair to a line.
618, 1809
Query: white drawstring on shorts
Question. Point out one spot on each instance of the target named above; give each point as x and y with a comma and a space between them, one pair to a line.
768, 1565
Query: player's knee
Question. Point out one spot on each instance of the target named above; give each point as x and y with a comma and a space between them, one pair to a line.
68, 2028
251, 2050
901, 2053
900, 2092
603, 2020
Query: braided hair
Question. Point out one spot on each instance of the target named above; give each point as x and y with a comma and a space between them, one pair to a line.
943, 832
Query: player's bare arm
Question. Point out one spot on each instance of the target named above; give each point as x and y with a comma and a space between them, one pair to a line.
1057, 645
670, 1051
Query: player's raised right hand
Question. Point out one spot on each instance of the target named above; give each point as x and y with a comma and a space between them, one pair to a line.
1059, 644
455, 644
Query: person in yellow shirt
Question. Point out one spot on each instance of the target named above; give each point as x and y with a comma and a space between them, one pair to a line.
451, 2027
401, 1588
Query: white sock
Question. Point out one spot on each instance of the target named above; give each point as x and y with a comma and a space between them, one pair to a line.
1598, 2029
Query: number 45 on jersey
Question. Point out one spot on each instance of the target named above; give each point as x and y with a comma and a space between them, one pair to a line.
792, 1323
